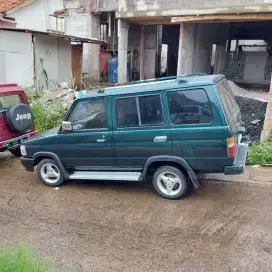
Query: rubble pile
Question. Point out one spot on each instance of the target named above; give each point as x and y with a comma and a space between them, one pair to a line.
253, 114
65, 96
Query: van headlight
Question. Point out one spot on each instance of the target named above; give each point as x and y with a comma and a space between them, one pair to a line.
23, 150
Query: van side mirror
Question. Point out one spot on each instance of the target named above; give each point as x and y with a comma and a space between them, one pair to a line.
66, 126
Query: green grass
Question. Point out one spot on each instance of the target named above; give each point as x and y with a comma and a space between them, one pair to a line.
260, 153
21, 259
47, 117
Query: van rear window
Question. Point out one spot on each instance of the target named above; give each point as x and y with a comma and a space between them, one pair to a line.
227, 99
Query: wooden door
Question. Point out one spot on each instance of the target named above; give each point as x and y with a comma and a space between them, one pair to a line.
77, 52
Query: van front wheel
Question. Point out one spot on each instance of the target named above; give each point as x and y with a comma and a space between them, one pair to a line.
49, 173
170, 182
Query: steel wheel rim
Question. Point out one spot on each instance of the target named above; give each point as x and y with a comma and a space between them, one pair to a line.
50, 173
169, 183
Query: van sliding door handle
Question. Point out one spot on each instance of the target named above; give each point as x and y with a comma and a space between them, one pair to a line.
160, 139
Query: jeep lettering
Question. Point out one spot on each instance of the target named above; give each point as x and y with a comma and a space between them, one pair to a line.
23, 117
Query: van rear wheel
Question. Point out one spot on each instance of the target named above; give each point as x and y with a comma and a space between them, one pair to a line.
49, 173
170, 182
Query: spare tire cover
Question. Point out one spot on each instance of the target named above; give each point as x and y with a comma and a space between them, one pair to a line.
19, 118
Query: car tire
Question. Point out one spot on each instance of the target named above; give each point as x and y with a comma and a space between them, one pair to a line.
16, 152
170, 182
50, 173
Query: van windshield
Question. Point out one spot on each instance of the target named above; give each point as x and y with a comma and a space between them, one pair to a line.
7, 101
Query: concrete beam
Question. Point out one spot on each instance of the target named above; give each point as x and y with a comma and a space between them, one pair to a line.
220, 18
170, 12
123, 28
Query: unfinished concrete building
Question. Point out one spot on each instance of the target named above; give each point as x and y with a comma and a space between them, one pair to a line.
179, 37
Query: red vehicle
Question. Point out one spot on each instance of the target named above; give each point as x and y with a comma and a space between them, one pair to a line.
16, 119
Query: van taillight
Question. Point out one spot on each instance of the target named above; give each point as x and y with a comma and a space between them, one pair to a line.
231, 147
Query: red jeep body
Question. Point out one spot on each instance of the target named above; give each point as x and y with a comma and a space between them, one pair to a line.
11, 94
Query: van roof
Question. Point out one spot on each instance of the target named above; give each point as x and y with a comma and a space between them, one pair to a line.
159, 84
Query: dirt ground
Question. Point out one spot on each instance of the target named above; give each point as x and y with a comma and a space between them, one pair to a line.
94, 226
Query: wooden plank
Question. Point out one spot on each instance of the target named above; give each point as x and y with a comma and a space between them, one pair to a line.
152, 20
223, 18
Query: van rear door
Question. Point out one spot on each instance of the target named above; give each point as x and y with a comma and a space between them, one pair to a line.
231, 108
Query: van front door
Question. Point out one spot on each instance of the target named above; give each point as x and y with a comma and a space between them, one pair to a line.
89, 145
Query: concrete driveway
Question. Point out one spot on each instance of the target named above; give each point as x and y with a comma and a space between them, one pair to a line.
94, 226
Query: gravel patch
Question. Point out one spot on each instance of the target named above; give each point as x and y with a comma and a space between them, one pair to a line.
252, 109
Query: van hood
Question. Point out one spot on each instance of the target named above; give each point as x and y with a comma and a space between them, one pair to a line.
48, 133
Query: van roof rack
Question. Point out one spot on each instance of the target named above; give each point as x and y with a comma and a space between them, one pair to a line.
165, 78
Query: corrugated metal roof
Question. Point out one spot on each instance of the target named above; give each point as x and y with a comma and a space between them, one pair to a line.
56, 35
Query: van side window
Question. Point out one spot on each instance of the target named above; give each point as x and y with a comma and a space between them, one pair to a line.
126, 111
189, 107
139, 111
88, 114
151, 110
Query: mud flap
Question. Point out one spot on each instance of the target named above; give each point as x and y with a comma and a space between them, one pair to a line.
194, 179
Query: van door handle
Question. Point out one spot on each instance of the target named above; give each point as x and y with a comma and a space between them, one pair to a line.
101, 140
160, 139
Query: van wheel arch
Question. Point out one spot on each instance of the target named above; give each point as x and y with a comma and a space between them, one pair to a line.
49, 155
153, 163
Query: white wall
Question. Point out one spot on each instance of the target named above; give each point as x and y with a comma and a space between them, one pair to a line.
54, 56
16, 58
255, 63
77, 24
64, 60
36, 14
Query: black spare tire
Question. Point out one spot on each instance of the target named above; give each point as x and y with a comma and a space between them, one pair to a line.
19, 118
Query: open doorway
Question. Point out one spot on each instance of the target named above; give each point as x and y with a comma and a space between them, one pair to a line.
170, 38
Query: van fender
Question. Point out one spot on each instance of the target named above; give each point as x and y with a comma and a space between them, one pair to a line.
55, 157
192, 175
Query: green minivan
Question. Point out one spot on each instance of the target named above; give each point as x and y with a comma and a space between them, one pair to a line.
167, 129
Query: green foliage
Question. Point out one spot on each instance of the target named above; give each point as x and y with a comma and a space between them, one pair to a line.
32, 95
21, 259
47, 117
260, 153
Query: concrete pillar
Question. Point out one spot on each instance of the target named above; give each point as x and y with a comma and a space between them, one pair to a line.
267, 128
142, 54
150, 47
91, 51
123, 28
203, 48
187, 40
220, 58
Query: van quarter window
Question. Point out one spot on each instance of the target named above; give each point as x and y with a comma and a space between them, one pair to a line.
189, 107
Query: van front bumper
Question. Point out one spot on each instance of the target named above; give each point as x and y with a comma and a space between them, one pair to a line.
28, 164
239, 163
